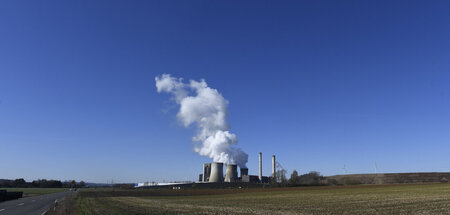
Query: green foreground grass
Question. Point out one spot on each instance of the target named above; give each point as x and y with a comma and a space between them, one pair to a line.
35, 191
374, 199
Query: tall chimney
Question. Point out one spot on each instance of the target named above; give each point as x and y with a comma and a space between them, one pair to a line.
274, 170
260, 166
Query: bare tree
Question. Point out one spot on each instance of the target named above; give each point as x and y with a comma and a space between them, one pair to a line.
294, 179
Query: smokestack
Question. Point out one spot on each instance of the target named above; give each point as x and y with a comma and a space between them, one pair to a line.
244, 171
274, 170
206, 171
231, 173
260, 166
216, 172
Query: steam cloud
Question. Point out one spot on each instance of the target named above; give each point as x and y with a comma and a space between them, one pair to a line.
207, 108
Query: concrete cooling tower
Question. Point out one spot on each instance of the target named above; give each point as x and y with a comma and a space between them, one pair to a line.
216, 174
231, 173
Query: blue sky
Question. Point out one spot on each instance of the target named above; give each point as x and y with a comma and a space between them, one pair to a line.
321, 84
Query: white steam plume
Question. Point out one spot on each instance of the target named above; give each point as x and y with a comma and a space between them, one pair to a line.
207, 108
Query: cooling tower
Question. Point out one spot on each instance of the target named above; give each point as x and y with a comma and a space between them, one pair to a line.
260, 166
231, 173
216, 172
274, 170
244, 171
206, 172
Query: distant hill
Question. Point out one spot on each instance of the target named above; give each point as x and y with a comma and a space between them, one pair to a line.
98, 184
390, 178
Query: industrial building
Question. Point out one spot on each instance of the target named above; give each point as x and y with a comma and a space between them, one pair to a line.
213, 173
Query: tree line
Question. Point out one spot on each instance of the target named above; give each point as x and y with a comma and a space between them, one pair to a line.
40, 183
312, 178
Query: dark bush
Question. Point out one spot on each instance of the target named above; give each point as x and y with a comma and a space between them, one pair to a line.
352, 181
332, 181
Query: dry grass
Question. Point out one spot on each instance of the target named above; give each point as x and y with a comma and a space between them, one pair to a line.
392, 199
67, 206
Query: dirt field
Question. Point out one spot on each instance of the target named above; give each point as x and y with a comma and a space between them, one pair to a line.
367, 199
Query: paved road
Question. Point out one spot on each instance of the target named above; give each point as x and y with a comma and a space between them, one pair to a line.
36, 205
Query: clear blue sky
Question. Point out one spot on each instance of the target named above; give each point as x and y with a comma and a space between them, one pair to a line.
321, 84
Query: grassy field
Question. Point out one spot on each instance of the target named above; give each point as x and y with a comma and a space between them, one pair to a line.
35, 191
359, 199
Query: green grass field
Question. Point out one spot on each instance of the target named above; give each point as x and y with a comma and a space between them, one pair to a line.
35, 191
366, 199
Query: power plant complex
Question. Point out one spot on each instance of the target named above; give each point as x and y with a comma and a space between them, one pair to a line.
213, 176
213, 173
